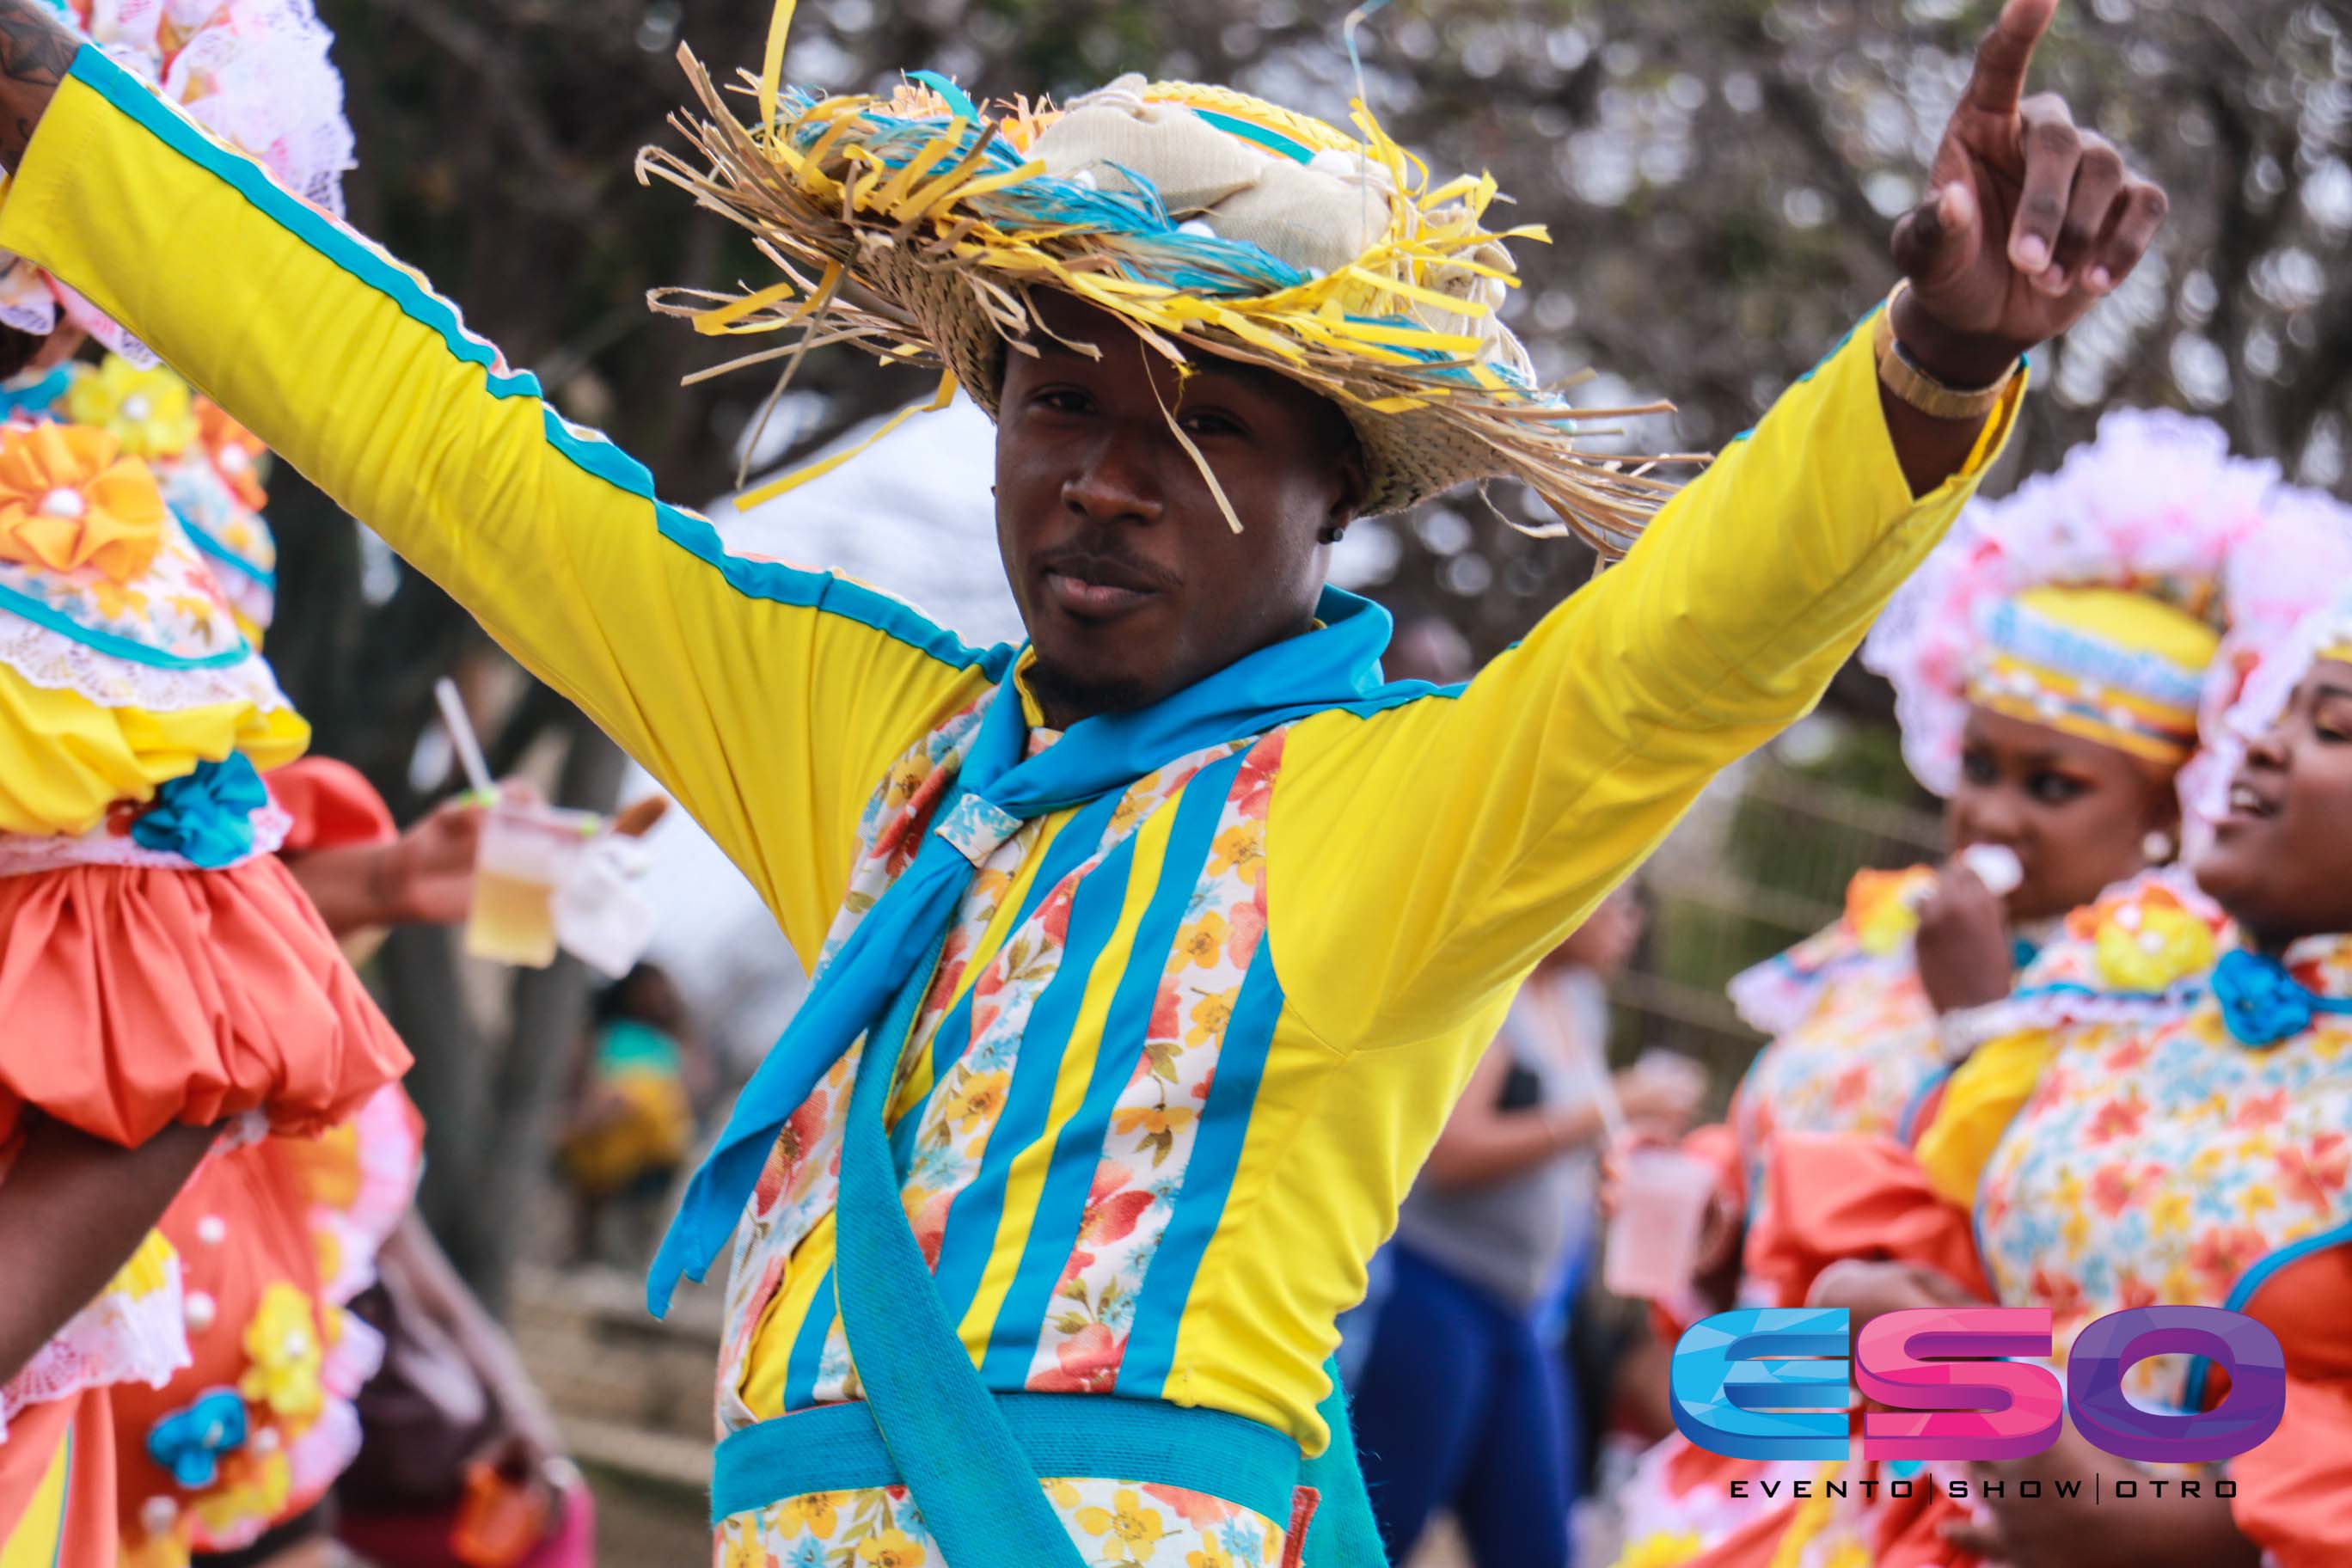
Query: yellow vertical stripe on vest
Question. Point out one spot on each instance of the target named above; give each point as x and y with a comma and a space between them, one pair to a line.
1027, 1177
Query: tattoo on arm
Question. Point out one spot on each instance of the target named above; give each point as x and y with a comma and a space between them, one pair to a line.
36, 51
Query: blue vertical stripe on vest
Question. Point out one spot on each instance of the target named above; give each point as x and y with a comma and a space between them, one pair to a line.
807, 1359
1069, 850
1071, 847
1208, 1180
1078, 1152
975, 1212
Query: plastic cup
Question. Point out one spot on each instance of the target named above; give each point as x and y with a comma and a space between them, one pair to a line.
524, 856
1653, 1237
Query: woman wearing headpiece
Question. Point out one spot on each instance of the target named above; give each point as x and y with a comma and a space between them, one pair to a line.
158, 970
2138, 1134
1163, 943
2050, 663
178, 1018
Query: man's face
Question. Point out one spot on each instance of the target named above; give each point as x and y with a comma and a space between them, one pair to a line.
1130, 580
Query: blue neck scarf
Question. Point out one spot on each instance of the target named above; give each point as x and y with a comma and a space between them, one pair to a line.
997, 790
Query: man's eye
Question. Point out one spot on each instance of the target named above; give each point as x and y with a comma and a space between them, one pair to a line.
1207, 423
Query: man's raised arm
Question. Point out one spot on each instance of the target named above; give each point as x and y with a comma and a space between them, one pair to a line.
770, 700
1467, 835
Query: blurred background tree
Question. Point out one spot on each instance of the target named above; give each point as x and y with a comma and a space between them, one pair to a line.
1719, 176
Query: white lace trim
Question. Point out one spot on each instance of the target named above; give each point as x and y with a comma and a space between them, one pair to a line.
119, 1338
22, 855
56, 662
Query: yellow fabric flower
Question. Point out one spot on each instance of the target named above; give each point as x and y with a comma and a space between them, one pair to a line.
1663, 1550
147, 1272
252, 1486
1879, 907
282, 1342
1063, 1494
814, 1513
1133, 1529
2151, 944
744, 1551
1211, 1555
150, 412
891, 1549
69, 499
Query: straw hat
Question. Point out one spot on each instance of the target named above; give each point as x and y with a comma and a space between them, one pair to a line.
917, 226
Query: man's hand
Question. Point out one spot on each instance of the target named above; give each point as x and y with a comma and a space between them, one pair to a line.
1962, 947
2029, 220
36, 49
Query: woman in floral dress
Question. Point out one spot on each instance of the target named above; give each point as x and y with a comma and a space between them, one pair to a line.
2050, 663
2159, 1117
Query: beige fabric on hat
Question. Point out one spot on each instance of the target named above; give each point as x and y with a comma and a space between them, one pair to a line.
1318, 216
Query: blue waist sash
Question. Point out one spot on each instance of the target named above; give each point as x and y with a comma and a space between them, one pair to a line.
835, 1447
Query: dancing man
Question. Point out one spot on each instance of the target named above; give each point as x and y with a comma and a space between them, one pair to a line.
1150, 954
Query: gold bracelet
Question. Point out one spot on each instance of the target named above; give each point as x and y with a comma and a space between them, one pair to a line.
1901, 374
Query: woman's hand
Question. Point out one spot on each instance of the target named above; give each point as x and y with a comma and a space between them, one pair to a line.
1962, 947
1720, 1234
2056, 1530
1871, 1287
1661, 1105
427, 876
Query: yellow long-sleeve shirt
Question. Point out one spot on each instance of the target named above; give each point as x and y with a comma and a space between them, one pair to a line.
1169, 1187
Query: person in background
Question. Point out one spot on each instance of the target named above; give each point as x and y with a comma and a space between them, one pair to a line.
1464, 1399
2157, 1118
632, 1125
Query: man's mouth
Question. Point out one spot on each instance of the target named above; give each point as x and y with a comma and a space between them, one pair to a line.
1093, 588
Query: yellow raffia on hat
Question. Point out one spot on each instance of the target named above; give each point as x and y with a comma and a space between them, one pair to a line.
917, 226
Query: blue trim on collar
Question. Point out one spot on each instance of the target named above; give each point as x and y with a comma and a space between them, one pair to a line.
42, 614
204, 541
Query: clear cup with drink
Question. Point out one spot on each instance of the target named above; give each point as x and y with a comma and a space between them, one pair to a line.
1653, 1237
527, 852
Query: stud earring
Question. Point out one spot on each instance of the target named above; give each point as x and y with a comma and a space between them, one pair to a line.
2158, 847
1332, 533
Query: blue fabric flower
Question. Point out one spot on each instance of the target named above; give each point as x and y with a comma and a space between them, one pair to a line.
35, 399
2261, 1002
189, 1443
205, 816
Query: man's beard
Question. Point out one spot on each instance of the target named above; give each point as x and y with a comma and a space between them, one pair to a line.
1060, 690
